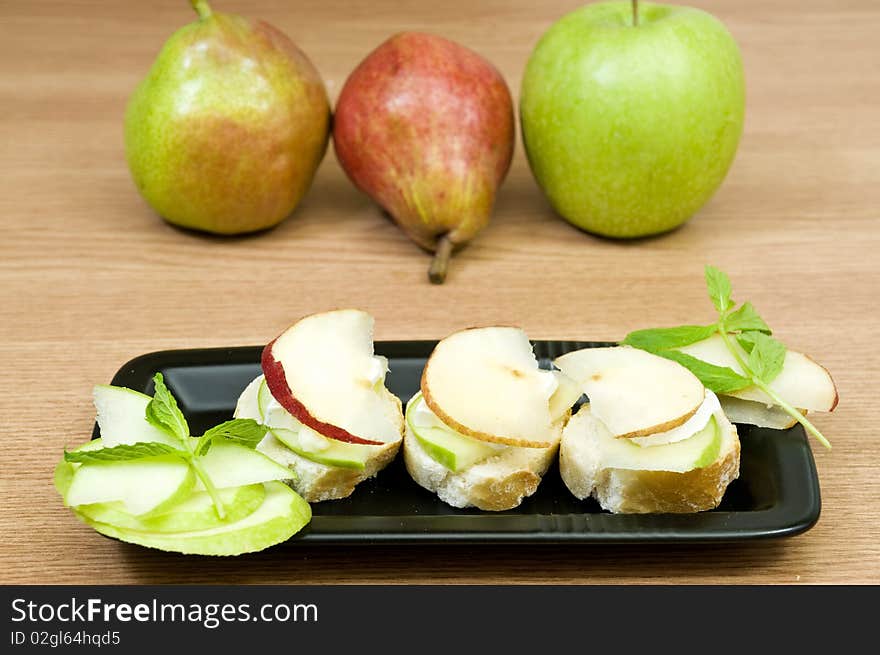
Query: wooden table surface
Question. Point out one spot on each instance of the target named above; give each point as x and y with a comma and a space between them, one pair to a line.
91, 277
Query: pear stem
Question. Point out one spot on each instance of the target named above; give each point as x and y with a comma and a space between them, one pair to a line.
440, 263
203, 9
635, 5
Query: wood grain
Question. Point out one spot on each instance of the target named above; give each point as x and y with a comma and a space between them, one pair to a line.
91, 277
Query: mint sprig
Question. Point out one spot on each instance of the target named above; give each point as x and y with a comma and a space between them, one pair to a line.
120, 453
163, 412
243, 431
743, 332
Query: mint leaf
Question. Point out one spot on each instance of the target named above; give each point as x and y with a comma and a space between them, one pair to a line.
767, 357
163, 412
718, 285
243, 431
665, 338
747, 340
719, 379
121, 453
746, 318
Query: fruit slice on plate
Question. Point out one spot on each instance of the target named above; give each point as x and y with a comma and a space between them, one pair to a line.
122, 417
308, 443
230, 464
282, 514
752, 412
121, 413
142, 486
322, 370
633, 392
567, 393
802, 382
453, 450
697, 451
485, 384
197, 512
257, 403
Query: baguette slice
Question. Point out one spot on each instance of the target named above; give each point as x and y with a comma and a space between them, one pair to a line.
312, 480
498, 483
620, 490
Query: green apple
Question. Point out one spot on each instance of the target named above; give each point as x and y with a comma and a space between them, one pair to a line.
336, 453
230, 464
144, 487
121, 416
631, 127
122, 420
453, 450
197, 512
695, 452
282, 514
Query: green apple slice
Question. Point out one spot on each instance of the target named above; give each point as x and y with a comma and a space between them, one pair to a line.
122, 417
142, 486
681, 456
64, 470
230, 464
453, 450
282, 514
194, 513
341, 454
300, 438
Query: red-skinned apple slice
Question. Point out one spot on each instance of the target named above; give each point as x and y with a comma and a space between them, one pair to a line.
322, 370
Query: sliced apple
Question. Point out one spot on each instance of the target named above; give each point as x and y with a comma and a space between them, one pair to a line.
600, 450
197, 512
230, 464
453, 450
697, 451
257, 403
756, 413
282, 514
485, 383
143, 486
322, 370
802, 382
633, 392
122, 417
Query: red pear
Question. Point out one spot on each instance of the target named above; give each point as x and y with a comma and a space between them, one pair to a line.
425, 127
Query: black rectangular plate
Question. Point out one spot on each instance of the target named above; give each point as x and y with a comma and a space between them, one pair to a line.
776, 495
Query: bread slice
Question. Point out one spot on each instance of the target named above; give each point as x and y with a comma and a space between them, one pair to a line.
643, 491
497, 483
315, 481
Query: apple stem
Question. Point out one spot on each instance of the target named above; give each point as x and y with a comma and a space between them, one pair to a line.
203, 9
440, 263
635, 5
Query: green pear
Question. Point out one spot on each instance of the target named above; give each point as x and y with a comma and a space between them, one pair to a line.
228, 128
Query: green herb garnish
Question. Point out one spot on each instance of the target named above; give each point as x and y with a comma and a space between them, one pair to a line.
120, 453
765, 356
